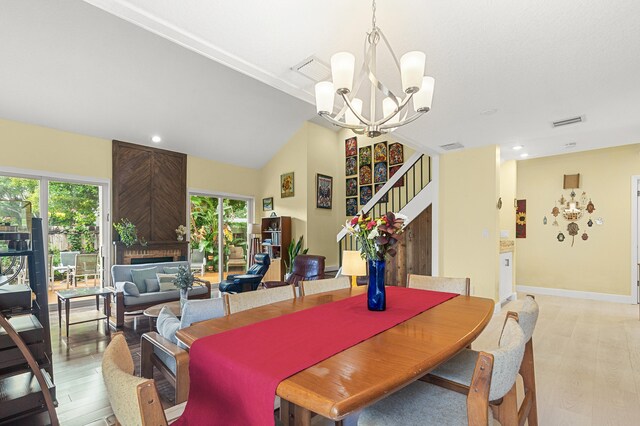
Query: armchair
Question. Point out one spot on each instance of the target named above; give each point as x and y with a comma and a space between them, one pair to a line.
250, 280
306, 267
163, 351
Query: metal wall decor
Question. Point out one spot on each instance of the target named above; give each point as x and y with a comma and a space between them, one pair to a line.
573, 210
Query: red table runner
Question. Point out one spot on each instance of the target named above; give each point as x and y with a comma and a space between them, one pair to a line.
234, 375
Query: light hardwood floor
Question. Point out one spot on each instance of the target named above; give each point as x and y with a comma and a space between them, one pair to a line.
587, 357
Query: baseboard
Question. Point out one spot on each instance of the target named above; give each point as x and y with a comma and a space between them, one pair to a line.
575, 294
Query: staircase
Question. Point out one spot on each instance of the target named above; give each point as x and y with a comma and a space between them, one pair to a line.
407, 192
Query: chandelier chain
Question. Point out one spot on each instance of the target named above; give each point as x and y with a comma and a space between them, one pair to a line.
373, 16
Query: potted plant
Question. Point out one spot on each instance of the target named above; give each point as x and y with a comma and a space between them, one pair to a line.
127, 232
376, 238
294, 250
184, 282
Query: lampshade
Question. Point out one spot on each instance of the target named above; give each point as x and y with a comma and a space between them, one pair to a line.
353, 264
350, 117
342, 68
412, 70
423, 98
254, 228
388, 107
324, 97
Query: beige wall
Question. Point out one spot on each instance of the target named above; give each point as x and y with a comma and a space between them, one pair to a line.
602, 264
214, 176
508, 183
36, 148
469, 220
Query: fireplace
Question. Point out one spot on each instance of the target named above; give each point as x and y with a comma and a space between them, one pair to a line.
142, 260
153, 252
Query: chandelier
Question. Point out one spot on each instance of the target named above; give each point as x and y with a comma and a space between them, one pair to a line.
395, 112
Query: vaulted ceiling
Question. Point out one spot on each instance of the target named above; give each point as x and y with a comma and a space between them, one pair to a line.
214, 78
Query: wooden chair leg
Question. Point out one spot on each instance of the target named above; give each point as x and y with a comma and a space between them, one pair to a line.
146, 365
529, 408
506, 412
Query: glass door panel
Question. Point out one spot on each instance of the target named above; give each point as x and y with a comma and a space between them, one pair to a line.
74, 234
204, 235
234, 216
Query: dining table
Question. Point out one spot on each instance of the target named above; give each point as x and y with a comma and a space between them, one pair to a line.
370, 370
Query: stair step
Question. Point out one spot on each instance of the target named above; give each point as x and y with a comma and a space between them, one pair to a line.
20, 395
27, 326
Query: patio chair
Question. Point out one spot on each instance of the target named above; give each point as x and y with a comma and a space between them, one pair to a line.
85, 265
236, 258
198, 261
66, 266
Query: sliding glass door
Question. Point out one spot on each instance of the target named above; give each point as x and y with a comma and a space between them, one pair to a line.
219, 234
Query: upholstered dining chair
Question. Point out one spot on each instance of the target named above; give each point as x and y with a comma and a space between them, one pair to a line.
320, 286
242, 301
457, 372
164, 352
134, 400
453, 285
421, 403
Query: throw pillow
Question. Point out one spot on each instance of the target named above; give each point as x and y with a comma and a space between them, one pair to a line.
139, 275
165, 282
171, 270
152, 285
130, 289
168, 324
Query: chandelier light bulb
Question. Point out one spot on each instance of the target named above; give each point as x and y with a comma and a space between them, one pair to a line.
324, 97
423, 98
412, 71
342, 69
349, 116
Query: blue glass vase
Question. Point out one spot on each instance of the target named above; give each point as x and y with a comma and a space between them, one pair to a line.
376, 296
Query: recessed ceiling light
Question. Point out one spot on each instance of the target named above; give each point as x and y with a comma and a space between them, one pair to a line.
518, 147
524, 155
156, 139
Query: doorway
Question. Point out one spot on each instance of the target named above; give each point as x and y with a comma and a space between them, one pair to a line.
635, 239
218, 233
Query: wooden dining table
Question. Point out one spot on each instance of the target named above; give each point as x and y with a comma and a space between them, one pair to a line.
367, 372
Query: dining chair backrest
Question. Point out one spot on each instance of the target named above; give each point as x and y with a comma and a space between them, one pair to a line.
320, 286
86, 264
507, 359
252, 299
134, 400
453, 285
528, 316
68, 258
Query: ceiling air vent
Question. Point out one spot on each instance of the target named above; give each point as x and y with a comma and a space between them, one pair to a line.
313, 69
452, 146
570, 145
573, 120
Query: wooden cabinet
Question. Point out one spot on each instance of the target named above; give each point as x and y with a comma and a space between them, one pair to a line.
276, 238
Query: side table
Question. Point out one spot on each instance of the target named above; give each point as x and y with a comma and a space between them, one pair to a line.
65, 296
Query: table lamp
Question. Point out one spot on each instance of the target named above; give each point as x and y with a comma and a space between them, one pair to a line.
354, 265
254, 230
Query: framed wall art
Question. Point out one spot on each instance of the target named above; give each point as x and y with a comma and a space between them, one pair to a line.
366, 192
392, 171
267, 204
380, 172
352, 187
385, 197
352, 206
324, 191
351, 147
287, 185
396, 154
380, 152
365, 175
351, 166
365, 156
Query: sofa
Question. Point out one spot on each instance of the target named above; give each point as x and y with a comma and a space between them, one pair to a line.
139, 290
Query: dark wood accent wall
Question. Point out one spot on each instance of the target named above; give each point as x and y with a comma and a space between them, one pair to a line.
414, 251
149, 189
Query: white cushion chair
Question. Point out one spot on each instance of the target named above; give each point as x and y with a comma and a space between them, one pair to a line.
423, 403
458, 371
134, 400
165, 353
320, 286
451, 285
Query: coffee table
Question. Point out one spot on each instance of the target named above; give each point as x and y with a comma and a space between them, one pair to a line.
153, 311
65, 296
